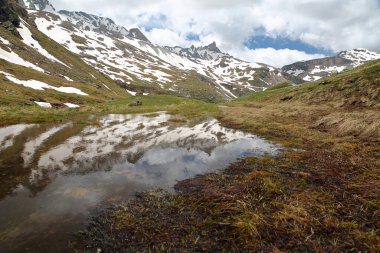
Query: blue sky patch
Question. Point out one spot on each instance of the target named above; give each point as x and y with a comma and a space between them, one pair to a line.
192, 37
263, 41
158, 21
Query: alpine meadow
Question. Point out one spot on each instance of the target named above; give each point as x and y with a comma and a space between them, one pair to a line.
189, 126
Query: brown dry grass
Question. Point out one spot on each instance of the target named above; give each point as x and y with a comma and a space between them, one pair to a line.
322, 199
321, 196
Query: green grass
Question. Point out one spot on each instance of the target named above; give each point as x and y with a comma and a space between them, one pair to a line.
360, 86
319, 195
85, 77
280, 86
12, 114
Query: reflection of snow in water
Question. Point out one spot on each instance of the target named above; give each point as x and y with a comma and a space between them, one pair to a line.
119, 156
32, 145
7, 134
132, 135
147, 140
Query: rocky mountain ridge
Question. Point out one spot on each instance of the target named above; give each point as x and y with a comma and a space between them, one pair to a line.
209, 52
130, 59
318, 68
137, 65
102, 25
39, 5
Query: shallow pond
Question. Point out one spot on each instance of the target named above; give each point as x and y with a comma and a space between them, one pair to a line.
54, 176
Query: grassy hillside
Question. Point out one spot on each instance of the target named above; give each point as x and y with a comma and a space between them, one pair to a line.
321, 194
358, 87
345, 104
84, 77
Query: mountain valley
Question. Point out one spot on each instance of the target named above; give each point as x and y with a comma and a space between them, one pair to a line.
112, 143
127, 59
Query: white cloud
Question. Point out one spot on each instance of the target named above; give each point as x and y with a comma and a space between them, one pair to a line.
276, 58
327, 24
167, 37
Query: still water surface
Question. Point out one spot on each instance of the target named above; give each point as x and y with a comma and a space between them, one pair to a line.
53, 177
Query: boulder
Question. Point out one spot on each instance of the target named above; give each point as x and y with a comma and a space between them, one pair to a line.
137, 103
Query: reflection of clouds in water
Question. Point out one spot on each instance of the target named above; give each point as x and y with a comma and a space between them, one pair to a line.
158, 167
163, 154
172, 164
141, 147
130, 136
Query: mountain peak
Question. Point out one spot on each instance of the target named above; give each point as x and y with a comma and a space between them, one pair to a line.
103, 25
359, 55
40, 5
137, 34
209, 52
212, 47
313, 70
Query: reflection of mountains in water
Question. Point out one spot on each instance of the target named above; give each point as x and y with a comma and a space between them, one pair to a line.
131, 136
44, 151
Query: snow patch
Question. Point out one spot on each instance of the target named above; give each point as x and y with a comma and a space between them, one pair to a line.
309, 78
330, 70
70, 105
30, 41
296, 72
43, 104
131, 92
68, 79
4, 41
38, 85
15, 59
359, 56
108, 88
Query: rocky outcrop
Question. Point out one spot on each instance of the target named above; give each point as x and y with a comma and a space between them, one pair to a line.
137, 34
10, 13
209, 52
41, 5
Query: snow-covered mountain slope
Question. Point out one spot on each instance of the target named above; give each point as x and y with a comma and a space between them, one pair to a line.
359, 56
36, 70
102, 25
136, 64
43, 5
315, 69
139, 64
236, 75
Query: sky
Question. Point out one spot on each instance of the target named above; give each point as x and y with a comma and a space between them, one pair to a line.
269, 31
